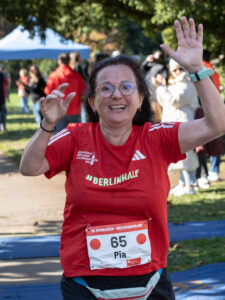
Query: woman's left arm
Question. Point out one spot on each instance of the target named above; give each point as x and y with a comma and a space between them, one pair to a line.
189, 55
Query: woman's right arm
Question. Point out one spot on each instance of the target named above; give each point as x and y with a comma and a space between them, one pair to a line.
53, 108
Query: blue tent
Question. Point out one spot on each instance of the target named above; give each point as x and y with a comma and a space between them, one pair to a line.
19, 45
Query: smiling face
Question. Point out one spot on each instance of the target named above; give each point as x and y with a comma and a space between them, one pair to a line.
118, 108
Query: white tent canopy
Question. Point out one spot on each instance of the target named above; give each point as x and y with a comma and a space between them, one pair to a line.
19, 45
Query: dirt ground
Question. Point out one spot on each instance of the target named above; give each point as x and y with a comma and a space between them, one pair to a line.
29, 205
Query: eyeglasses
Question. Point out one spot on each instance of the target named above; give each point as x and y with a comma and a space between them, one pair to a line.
107, 89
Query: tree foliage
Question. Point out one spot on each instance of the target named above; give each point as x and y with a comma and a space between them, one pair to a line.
78, 18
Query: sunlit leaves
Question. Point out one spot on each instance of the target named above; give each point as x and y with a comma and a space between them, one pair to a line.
73, 17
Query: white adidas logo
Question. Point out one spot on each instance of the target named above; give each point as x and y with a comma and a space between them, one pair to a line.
138, 156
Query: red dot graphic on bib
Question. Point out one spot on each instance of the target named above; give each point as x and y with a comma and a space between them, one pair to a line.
95, 244
141, 238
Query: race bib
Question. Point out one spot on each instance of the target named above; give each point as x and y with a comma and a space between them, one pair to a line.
118, 245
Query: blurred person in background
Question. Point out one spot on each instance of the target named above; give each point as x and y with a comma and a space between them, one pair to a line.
76, 65
202, 172
65, 74
3, 97
179, 101
215, 159
35, 89
23, 95
2, 101
148, 63
156, 66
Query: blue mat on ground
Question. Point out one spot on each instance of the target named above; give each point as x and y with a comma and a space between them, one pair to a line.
29, 247
31, 291
196, 230
203, 283
206, 282
48, 246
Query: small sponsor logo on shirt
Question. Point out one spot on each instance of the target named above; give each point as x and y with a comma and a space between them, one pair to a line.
88, 157
138, 156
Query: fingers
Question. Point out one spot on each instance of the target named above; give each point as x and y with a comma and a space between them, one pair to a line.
62, 87
55, 94
192, 32
188, 29
200, 33
58, 94
42, 100
185, 27
69, 98
178, 29
167, 49
52, 97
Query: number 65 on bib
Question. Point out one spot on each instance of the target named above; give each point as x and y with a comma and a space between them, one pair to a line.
118, 245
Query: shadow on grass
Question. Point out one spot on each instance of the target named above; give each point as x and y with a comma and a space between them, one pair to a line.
215, 190
216, 187
13, 135
15, 156
19, 120
14, 110
202, 210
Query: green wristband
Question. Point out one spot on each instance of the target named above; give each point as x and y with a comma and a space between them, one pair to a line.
197, 76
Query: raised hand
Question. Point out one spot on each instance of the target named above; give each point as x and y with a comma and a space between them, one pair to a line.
189, 48
53, 107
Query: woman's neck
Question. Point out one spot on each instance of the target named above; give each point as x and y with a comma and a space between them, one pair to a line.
116, 136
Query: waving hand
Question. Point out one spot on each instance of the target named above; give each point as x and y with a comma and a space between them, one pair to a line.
53, 107
189, 49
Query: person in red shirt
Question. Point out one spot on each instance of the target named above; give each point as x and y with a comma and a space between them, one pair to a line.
23, 95
115, 238
63, 74
215, 76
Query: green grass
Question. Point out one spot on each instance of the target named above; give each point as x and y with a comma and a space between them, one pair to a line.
195, 253
206, 205
20, 128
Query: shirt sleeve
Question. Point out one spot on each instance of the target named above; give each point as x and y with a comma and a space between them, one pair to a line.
166, 138
59, 152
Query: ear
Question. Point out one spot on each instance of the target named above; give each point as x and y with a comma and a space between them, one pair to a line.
141, 100
92, 104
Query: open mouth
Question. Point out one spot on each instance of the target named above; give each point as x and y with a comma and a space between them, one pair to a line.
117, 107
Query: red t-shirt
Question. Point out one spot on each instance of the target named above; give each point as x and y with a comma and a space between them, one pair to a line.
95, 196
64, 74
25, 80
